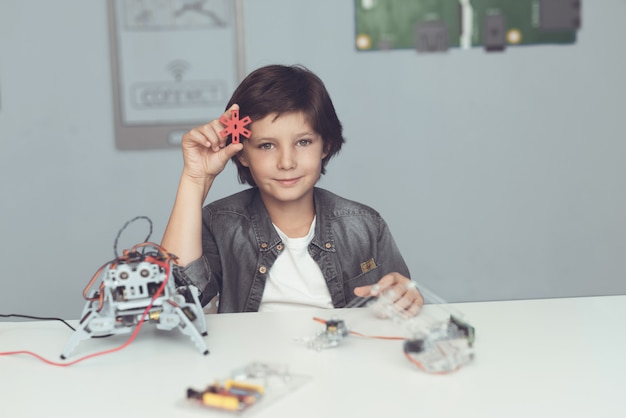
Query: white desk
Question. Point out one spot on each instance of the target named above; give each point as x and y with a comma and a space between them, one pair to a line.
535, 358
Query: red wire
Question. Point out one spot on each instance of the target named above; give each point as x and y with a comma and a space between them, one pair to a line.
132, 337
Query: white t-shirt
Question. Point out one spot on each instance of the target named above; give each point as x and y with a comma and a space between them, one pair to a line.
295, 281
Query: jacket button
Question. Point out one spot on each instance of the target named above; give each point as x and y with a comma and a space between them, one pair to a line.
262, 269
264, 245
279, 247
328, 245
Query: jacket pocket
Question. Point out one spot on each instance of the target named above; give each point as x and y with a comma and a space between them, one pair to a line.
363, 279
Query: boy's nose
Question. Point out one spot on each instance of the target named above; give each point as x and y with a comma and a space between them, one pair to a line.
286, 160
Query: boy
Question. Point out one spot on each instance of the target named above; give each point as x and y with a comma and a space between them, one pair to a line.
283, 243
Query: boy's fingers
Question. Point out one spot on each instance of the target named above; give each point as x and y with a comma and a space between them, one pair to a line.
386, 282
414, 309
232, 149
363, 291
405, 301
197, 136
212, 131
227, 112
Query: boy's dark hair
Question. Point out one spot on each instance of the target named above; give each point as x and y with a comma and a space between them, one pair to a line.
282, 89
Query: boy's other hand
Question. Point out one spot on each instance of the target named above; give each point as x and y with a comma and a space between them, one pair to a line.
407, 297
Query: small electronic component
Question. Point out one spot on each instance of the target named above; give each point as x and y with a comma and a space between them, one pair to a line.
494, 32
559, 15
235, 127
431, 36
334, 333
232, 395
336, 329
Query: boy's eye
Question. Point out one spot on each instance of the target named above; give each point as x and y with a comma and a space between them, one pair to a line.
304, 142
267, 145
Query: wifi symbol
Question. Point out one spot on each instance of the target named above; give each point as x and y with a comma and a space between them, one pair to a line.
177, 68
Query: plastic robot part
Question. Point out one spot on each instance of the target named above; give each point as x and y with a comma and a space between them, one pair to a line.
136, 289
235, 126
438, 340
263, 371
445, 349
333, 335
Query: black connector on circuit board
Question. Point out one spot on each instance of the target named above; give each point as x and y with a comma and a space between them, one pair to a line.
559, 15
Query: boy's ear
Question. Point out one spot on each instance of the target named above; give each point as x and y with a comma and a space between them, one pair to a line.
326, 151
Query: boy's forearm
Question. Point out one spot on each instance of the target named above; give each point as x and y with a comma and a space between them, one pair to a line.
183, 234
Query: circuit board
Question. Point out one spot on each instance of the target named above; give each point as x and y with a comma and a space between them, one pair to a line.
438, 25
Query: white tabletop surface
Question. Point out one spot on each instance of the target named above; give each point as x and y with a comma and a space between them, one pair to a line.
534, 358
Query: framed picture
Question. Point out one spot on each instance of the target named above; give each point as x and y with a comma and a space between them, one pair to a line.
174, 64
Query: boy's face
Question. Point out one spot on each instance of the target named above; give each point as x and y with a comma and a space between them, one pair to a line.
284, 156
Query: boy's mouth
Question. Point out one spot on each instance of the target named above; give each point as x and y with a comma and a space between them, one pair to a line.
288, 182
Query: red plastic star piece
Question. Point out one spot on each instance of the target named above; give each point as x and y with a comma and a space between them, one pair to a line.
235, 126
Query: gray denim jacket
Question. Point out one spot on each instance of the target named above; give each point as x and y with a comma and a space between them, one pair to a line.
352, 246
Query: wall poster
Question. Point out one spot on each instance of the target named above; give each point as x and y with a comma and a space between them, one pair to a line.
174, 65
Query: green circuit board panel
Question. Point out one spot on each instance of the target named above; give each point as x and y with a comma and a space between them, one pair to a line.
439, 25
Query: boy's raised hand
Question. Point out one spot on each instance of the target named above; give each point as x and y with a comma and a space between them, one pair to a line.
407, 297
205, 152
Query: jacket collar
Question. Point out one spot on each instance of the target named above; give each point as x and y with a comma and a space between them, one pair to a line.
323, 238
266, 235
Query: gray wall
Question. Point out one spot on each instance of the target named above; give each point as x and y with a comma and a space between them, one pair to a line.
501, 175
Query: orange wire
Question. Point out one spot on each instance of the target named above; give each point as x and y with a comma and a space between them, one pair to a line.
92, 281
380, 337
358, 334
